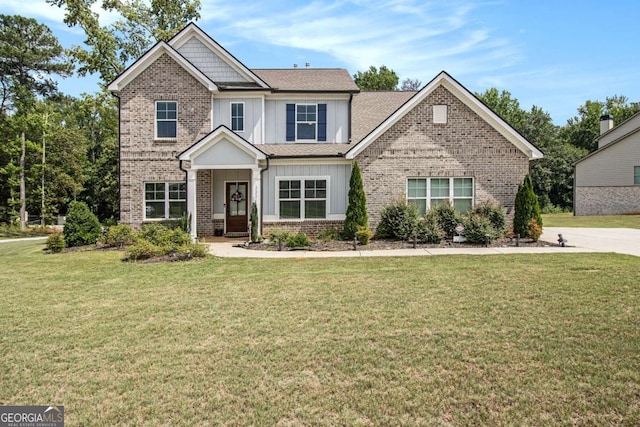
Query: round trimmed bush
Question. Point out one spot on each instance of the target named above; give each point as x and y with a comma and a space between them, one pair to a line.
81, 227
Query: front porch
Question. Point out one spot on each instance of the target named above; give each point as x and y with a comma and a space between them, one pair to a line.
223, 181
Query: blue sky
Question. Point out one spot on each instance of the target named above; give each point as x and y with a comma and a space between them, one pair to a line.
553, 54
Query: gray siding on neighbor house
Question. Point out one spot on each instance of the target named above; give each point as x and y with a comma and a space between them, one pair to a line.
276, 119
338, 183
208, 62
252, 116
611, 167
224, 152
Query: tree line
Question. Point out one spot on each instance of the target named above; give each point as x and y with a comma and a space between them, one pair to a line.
56, 148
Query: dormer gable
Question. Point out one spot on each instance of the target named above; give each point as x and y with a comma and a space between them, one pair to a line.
212, 59
159, 49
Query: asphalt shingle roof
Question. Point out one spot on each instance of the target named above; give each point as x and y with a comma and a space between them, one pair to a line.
308, 79
370, 109
305, 149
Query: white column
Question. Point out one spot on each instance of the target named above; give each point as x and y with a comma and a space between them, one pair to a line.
255, 192
191, 201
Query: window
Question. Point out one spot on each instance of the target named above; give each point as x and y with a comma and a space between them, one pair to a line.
164, 200
427, 193
306, 121
237, 116
636, 175
166, 119
294, 203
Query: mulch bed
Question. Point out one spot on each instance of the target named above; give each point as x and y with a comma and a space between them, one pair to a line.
383, 244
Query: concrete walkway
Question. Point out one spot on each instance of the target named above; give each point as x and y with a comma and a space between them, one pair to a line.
23, 239
620, 240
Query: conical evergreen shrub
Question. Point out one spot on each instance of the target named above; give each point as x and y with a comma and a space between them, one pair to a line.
357, 209
527, 208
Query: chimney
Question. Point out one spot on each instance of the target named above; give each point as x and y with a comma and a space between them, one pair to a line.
295, 65
306, 65
606, 123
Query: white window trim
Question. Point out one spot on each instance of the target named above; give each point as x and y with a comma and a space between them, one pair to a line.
166, 199
451, 197
302, 179
155, 121
231, 115
314, 122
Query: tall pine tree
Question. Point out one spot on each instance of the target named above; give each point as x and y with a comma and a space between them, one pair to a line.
357, 209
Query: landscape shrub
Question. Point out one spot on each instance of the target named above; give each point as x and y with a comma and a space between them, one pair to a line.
329, 233
81, 227
526, 208
298, 241
364, 234
196, 250
429, 230
278, 236
447, 218
255, 235
118, 235
496, 215
356, 215
398, 220
534, 231
55, 243
478, 229
143, 249
161, 235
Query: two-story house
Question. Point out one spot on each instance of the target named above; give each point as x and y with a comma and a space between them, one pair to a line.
202, 133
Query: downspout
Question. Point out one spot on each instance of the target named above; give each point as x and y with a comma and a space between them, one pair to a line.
186, 183
349, 118
262, 171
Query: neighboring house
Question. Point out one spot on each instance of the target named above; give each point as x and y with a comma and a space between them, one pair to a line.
201, 132
607, 181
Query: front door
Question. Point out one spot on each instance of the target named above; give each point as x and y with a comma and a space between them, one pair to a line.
236, 199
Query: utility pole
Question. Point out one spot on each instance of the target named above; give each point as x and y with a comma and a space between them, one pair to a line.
23, 191
44, 159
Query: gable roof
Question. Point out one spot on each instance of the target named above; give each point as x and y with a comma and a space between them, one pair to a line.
192, 30
445, 80
216, 135
308, 79
159, 49
370, 109
629, 127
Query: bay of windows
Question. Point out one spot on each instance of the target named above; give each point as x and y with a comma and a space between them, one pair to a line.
427, 193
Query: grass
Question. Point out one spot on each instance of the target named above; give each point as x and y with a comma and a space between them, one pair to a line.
14, 232
449, 340
603, 221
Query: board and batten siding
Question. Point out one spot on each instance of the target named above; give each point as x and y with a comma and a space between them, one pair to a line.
338, 174
208, 62
276, 119
612, 167
252, 116
220, 176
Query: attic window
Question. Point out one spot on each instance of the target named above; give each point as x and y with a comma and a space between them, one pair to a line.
440, 114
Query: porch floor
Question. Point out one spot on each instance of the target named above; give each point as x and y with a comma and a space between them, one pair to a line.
223, 239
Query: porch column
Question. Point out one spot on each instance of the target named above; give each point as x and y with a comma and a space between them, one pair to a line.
191, 201
255, 192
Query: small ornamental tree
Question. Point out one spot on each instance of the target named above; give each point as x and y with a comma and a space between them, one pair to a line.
357, 209
81, 226
255, 235
527, 208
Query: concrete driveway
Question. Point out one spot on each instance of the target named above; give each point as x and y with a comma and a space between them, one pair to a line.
620, 240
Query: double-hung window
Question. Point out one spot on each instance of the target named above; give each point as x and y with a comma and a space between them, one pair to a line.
166, 119
164, 200
306, 121
237, 116
427, 193
302, 198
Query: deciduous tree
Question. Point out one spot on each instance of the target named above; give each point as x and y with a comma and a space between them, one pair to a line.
374, 79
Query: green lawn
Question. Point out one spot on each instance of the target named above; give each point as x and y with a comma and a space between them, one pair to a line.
604, 221
443, 340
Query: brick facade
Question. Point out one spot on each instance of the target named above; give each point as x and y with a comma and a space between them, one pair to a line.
142, 158
466, 146
309, 227
607, 200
